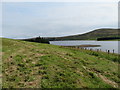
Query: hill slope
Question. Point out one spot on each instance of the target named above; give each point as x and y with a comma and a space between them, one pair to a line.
93, 35
35, 65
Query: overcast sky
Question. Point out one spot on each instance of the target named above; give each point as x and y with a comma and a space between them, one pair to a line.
49, 19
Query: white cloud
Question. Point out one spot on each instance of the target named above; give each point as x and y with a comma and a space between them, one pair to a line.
60, 0
64, 19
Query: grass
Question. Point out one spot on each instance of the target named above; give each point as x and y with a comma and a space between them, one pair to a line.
35, 65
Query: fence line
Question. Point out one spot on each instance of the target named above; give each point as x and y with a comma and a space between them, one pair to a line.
98, 50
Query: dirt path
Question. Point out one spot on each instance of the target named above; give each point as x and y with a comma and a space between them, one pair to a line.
108, 81
105, 79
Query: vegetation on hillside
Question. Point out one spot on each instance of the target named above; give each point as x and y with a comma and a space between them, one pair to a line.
108, 38
36, 65
38, 40
93, 35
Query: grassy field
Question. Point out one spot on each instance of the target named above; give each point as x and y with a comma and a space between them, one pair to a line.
35, 65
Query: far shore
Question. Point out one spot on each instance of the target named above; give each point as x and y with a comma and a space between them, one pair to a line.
84, 46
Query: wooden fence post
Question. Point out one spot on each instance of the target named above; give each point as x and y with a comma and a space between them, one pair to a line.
97, 50
108, 51
113, 50
90, 49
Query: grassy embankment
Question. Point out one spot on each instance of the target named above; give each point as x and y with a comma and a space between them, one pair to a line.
35, 65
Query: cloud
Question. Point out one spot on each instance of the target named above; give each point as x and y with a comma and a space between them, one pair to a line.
60, 1
22, 20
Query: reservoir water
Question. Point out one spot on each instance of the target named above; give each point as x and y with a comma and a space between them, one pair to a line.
105, 45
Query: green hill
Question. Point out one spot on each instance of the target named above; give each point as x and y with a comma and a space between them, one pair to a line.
93, 35
36, 65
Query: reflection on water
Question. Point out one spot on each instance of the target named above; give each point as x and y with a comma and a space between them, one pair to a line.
105, 45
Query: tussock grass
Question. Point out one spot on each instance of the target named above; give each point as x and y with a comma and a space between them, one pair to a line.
35, 65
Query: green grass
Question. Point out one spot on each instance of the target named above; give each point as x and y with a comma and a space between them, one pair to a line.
35, 65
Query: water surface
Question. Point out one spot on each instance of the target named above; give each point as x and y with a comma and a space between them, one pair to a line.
105, 45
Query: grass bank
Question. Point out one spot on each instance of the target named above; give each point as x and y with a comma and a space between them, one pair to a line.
35, 65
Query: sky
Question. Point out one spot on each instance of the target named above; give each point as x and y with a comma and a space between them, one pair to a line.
55, 19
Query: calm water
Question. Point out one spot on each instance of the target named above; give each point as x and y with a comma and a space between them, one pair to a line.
105, 45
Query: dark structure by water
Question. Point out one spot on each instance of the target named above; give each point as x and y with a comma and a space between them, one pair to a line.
38, 40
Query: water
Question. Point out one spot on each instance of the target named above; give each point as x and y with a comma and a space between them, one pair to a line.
105, 45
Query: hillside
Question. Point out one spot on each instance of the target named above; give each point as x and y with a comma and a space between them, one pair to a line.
36, 65
93, 35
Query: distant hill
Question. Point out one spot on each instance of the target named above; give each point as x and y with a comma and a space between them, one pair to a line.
93, 35
98, 34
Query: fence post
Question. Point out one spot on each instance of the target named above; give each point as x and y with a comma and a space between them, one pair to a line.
97, 50
108, 51
113, 50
